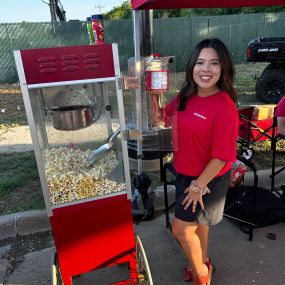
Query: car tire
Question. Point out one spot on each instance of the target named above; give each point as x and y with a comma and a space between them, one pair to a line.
270, 87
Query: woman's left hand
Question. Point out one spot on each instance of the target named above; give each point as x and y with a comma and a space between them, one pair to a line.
194, 195
193, 198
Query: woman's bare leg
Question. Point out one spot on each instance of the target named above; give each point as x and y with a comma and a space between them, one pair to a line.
185, 233
203, 234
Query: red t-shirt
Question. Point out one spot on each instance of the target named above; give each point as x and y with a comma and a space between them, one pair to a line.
280, 108
206, 129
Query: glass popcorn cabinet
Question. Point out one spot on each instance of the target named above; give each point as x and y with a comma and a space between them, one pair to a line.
74, 104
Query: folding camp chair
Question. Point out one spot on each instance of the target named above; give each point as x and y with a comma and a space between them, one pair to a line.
252, 131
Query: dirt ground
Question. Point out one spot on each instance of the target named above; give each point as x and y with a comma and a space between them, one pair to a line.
12, 110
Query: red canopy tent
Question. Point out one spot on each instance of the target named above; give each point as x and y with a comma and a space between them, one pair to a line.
175, 4
170, 4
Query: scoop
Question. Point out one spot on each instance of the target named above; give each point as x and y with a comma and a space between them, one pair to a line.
97, 153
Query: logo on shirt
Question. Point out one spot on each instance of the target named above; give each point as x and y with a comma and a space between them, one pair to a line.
200, 116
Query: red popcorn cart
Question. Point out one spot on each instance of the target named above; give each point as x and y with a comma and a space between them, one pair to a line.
74, 103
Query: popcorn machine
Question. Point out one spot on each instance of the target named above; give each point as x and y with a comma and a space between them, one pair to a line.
74, 105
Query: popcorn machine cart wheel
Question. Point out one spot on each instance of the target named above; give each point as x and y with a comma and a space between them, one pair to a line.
74, 103
144, 274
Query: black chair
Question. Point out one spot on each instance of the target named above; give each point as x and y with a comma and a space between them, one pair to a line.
241, 203
275, 138
250, 207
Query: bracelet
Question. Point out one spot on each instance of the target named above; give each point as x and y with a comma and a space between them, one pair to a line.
195, 188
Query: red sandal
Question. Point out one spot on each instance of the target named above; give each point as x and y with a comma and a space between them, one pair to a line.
201, 280
204, 280
188, 275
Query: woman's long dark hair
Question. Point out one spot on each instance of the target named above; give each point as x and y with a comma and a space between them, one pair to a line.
225, 82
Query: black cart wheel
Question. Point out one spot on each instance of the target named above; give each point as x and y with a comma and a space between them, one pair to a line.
247, 153
144, 274
270, 87
56, 278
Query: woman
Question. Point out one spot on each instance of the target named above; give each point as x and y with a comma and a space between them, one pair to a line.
205, 128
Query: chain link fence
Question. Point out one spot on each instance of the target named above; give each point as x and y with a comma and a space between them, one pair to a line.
176, 36
172, 36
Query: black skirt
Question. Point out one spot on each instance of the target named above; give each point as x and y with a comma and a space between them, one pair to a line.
214, 202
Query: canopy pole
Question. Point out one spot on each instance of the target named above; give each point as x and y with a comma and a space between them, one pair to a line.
137, 46
147, 33
137, 32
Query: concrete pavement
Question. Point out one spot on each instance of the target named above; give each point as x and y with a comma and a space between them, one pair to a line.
238, 261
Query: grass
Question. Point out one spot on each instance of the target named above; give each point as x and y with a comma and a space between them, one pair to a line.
19, 183
245, 82
15, 168
263, 154
20, 188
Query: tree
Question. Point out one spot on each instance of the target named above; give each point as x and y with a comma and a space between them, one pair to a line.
124, 11
168, 13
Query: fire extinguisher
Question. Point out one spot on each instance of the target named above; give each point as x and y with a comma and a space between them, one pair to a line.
157, 74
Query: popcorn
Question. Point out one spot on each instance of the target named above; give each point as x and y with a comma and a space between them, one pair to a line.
70, 178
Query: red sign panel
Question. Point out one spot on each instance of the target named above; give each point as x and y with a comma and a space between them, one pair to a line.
46, 65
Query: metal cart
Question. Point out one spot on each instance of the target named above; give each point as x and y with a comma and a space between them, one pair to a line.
74, 105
